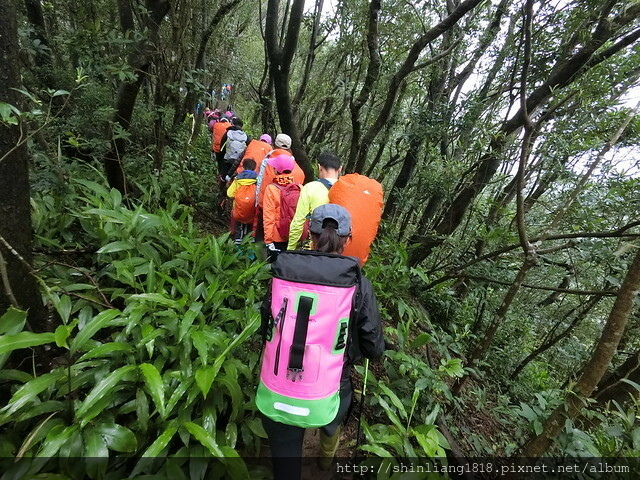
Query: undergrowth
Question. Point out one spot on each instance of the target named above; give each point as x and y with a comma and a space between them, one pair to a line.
153, 351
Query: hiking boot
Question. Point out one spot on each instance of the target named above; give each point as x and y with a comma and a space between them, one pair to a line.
328, 447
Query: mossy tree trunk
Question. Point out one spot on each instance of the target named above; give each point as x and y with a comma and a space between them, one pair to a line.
18, 287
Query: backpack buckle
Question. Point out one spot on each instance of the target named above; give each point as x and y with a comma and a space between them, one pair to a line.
295, 372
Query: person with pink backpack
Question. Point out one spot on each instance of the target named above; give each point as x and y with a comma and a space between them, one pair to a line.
318, 318
280, 200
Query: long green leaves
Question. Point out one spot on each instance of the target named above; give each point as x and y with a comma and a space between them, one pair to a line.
9, 343
169, 360
156, 448
204, 438
11, 323
28, 392
156, 386
101, 390
105, 350
117, 437
100, 321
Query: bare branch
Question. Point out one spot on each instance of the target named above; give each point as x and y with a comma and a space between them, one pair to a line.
438, 57
15, 253
608, 293
86, 275
585, 178
6, 283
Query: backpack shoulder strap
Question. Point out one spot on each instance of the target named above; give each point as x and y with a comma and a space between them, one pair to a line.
326, 183
284, 187
353, 341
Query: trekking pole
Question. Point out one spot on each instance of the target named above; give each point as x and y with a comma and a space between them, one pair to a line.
364, 391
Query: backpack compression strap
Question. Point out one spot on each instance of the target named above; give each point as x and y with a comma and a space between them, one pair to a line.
296, 354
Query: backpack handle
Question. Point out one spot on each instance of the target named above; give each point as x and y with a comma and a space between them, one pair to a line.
296, 354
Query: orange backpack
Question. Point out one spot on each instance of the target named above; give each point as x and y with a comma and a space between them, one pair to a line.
244, 206
256, 150
363, 198
219, 129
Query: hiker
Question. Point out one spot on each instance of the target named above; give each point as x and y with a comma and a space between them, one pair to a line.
243, 191
210, 118
292, 393
266, 173
256, 150
214, 118
219, 129
280, 199
266, 138
312, 195
234, 143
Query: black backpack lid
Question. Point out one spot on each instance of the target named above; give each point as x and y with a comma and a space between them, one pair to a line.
317, 268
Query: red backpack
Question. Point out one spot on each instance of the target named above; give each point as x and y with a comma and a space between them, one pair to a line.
244, 206
289, 195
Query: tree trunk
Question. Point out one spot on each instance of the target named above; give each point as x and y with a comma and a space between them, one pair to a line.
280, 59
373, 70
479, 351
18, 286
357, 159
408, 166
199, 64
140, 60
311, 54
614, 388
595, 368
42, 58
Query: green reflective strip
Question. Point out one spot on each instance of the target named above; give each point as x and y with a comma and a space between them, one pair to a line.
313, 296
341, 340
297, 412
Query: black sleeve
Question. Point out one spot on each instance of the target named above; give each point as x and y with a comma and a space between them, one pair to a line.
265, 313
234, 166
368, 323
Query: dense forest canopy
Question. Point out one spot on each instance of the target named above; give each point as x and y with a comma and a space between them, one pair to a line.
505, 134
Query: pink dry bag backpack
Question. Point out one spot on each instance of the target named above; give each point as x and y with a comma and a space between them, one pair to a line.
313, 299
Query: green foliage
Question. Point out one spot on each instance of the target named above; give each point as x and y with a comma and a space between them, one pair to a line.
409, 394
152, 319
154, 340
535, 414
618, 434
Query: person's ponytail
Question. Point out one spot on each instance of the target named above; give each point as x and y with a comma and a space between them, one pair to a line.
329, 241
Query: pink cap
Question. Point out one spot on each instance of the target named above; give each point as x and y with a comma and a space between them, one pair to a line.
283, 163
265, 137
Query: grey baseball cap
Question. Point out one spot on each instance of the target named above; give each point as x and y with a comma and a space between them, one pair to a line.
336, 212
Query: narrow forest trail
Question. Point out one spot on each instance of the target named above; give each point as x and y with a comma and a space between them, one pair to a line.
311, 447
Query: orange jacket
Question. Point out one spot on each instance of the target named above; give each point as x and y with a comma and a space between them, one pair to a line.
269, 174
257, 149
271, 211
219, 129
